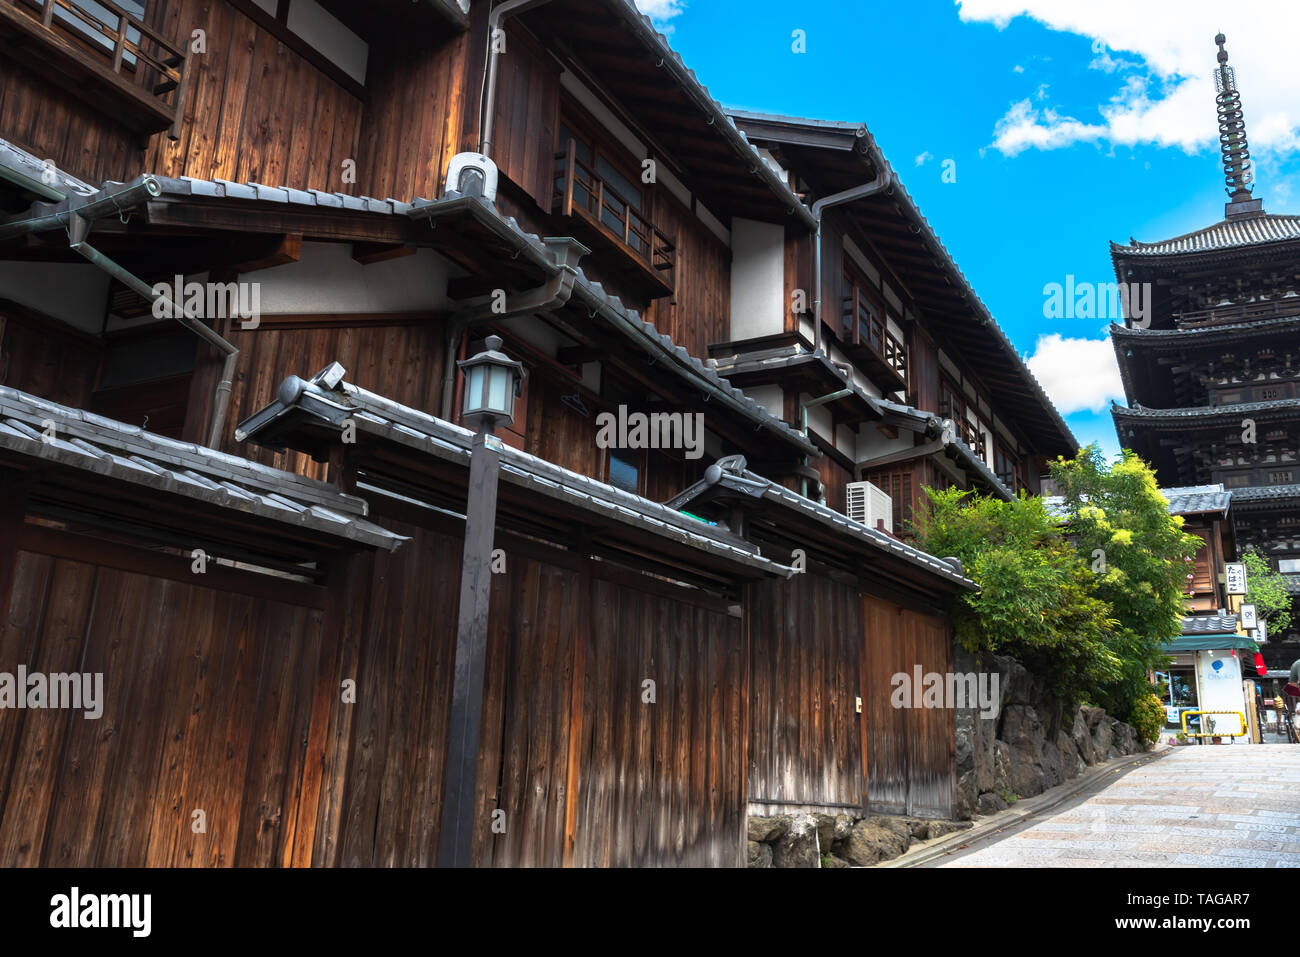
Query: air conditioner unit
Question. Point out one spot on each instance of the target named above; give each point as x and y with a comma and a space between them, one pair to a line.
869, 505
472, 174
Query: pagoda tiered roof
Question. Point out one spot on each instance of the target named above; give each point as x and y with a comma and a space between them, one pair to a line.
1246, 232
1209, 413
1207, 334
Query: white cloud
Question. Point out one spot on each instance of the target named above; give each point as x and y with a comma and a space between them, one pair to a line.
924, 158
1077, 374
660, 11
1170, 100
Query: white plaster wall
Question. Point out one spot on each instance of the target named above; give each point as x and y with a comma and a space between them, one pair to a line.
757, 279
76, 293
330, 37
328, 279
770, 397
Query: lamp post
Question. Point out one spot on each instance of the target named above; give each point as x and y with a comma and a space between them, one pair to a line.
492, 382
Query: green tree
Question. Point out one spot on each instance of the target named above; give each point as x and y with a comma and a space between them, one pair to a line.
1266, 590
1037, 599
1139, 554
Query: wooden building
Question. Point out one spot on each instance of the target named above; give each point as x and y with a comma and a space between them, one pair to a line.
296, 690
904, 377
1211, 371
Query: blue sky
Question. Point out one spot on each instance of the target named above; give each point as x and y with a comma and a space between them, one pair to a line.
1070, 123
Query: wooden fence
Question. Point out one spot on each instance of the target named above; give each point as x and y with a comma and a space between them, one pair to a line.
627, 721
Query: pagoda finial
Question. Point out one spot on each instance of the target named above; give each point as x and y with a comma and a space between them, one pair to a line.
1237, 171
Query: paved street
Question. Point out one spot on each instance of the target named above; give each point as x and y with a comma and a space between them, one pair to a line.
1236, 806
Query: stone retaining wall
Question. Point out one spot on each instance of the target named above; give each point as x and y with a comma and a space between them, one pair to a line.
1027, 748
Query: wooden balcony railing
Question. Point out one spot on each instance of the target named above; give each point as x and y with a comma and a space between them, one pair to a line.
147, 75
580, 192
1239, 312
864, 329
975, 440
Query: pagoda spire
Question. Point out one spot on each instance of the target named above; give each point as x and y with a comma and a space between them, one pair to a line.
1237, 171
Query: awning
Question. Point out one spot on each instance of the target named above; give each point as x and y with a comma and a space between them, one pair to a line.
1221, 642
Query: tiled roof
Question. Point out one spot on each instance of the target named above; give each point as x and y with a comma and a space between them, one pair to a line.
129, 454
1197, 499
1266, 493
384, 418
731, 473
1210, 625
283, 195
628, 322
931, 424
671, 61
1204, 412
1229, 234
28, 166
942, 258
1209, 333
659, 345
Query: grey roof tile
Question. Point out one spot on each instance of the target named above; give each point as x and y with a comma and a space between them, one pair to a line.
1210, 625
1197, 499
1265, 493
1203, 412
1229, 234
130, 454
417, 429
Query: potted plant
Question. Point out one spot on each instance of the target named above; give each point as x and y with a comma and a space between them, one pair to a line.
1209, 726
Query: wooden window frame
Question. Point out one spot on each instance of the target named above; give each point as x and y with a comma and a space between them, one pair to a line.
658, 252
603, 146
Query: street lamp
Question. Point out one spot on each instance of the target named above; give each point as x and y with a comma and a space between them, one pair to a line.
492, 382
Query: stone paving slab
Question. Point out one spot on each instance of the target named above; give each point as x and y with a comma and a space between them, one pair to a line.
1197, 807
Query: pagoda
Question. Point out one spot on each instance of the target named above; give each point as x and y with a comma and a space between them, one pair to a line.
1211, 369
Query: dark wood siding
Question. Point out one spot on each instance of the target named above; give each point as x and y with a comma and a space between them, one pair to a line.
412, 122
46, 357
805, 737
52, 125
527, 107
207, 700
700, 312
910, 757
256, 111
233, 705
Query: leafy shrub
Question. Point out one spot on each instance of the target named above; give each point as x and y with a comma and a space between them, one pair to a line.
1148, 718
1036, 600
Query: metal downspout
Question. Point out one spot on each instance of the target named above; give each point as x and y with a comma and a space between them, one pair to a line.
488, 106
552, 294
882, 182
78, 230
803, 413
77, 221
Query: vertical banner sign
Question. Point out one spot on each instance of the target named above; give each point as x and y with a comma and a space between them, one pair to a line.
1236, 578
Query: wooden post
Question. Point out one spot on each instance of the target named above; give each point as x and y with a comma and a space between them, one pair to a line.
13, 508
570, 160
456, 842
119, 48
182, 90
